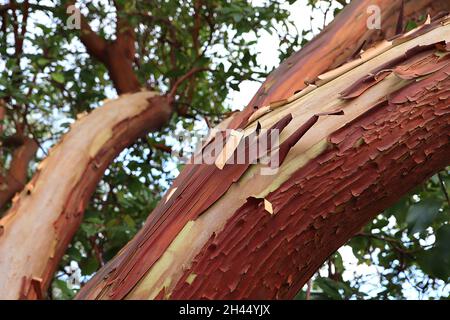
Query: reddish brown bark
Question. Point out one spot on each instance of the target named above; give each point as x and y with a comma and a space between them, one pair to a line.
79, 198
117, 55
260, 256
332, 48
393, 136
16, 176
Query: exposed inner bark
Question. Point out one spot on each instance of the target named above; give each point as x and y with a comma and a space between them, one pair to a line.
343, 39
45, 216
323, 190
36, 212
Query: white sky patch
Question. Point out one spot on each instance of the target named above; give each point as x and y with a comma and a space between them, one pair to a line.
267, 45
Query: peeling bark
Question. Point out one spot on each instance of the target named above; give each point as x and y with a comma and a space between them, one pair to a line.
45, 215
385, 128
34, 267
368, 165
344, 39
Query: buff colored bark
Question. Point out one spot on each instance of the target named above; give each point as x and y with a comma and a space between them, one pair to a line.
342, 40
45, 215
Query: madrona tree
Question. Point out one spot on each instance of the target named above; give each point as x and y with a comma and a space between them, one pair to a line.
363, 115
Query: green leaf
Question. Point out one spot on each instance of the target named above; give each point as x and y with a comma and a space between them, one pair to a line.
329, 287
74, 253
410, 25
129, 221
436, 261
443, 237
58, 77
421, 215
65, 292
399, 210
235, 86
89, 266
89, 229
380, 223
43, 62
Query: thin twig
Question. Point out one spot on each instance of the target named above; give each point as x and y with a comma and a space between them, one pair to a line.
186, 76
394, 243
444, 189
98, 252
308, 289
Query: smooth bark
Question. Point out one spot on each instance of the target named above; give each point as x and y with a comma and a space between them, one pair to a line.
43, 218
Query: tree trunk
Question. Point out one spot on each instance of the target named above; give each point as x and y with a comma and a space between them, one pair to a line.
343, 39
27, 270
352, 145
46, 214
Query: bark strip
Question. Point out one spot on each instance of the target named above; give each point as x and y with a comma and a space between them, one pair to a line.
342, 40
379, 146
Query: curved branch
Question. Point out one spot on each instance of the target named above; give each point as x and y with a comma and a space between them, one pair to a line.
236, 233
117, 56
49, 210
95, 44
183, 78
334, 46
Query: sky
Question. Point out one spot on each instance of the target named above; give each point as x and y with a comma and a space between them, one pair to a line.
267, 46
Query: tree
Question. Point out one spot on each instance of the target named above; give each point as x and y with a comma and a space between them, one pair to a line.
98, 153
81, 82
214, 238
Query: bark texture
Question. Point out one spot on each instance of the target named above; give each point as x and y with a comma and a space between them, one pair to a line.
351, 146
342, 40
46, 214
45, 221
